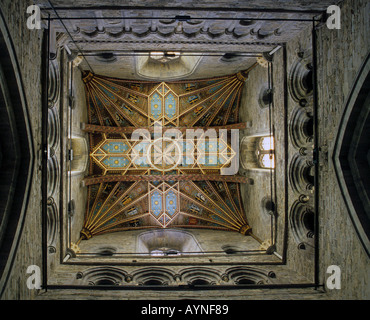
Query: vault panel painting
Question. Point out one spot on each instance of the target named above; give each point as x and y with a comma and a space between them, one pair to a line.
124, 103
146, 205
122, 155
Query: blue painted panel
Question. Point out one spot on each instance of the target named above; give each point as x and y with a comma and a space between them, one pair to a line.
170, 106
116, 162
156, 106
156, 203
106, 92
171, 203
115, 147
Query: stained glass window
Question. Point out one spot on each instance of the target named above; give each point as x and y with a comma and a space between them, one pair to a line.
265, 152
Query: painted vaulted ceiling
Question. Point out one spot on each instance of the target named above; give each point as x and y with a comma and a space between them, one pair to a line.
152, 182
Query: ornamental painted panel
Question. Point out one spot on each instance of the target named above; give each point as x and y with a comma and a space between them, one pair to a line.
156, 203
171, 203
115, 147
116, 162
170, 106
126, 206
156, 106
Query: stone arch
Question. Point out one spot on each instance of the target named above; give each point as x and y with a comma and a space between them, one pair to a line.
302, 223
247, 275
351, 155
300, 77
53, 83
153, 276
53, 129
53, 174
80, 155
162, 239
52, 224
17, 153
200, 276
178, 68
102, 276
300, 127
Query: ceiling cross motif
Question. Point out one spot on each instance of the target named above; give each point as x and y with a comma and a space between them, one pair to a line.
120, 155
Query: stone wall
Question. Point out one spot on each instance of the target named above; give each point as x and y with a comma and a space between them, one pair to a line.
82, 274
340, 55
207, 239
234, 4
273, 184
211, 295
258, 124
299, 255
27, 44
106, 30
78, 193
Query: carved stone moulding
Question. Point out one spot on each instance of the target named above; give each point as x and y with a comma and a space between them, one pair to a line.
300, 82
301, 219
300, 127
301, 175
